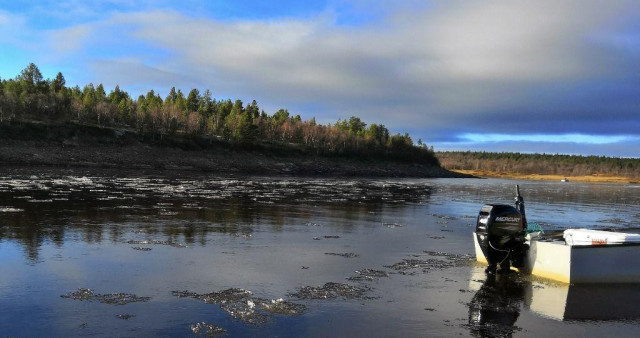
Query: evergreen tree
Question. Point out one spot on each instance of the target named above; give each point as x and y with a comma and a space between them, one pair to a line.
117, 95
100, 93
253, 110
58, 83
193, 100
356, 126
281, 116
205, 106
172, 97
30, 75
89, 97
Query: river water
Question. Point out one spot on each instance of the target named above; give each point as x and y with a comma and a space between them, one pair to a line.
100, 253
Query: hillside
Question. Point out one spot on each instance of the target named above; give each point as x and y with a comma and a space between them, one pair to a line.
72, 145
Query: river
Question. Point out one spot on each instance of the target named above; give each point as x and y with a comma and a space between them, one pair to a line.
105, 253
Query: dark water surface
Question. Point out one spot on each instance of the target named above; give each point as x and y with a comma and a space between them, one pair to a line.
99, 253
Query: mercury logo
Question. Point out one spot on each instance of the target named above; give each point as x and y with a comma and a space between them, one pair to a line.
507, 219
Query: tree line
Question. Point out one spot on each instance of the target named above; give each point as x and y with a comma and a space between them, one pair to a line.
565, 165
197, 114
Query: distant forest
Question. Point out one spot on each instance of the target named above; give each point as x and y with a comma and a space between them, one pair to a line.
29, 97
566, 165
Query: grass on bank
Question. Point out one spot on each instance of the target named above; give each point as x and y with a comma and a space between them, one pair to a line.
594, 178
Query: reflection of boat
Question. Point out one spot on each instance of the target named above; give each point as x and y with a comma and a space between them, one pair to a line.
585, 301
582, 256
498, 296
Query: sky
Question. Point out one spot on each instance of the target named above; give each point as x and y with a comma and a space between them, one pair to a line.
542, 76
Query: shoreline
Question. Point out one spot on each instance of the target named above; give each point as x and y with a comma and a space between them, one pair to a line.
595, 178
71, 146
219, 160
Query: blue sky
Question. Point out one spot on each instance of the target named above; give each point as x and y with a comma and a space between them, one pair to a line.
528, 76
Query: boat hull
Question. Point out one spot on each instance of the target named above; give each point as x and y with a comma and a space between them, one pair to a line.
579, 264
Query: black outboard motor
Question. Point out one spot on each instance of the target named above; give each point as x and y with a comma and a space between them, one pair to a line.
501, 231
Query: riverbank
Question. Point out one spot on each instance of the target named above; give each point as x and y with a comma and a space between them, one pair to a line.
73, 146
596, 178
222, 161
553, 167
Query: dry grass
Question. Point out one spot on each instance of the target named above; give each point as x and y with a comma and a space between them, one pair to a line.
596, 178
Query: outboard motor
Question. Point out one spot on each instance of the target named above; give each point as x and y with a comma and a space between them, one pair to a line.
501, 231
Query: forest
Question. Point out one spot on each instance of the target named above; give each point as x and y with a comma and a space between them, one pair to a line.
30, 97
543, 164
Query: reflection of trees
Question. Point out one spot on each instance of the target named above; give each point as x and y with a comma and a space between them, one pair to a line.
86, 215
495, 308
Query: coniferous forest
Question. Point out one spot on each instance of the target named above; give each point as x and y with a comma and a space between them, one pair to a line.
542, 164
30, 97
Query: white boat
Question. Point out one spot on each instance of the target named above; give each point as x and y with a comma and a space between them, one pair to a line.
503, 239
581, 256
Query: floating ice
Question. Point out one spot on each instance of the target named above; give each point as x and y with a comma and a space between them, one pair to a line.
10, 209
207, 329
109, 298
155, 242
239, 304
125, 316
367, 275
345, 255
330, 291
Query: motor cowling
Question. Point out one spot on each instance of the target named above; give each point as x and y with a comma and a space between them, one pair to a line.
500, 230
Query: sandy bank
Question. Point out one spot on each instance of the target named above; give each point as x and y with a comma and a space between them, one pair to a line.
596, 178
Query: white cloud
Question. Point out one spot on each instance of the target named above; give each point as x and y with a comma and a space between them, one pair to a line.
561, 138
134, 74
70, 39
511, 41
454, 57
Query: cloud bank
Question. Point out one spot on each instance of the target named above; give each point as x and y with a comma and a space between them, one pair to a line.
439, 70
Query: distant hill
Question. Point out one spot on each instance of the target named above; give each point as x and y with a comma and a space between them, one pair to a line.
542, 164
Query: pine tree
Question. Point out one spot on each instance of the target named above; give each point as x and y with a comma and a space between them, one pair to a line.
30, 75
58, 83
193, 100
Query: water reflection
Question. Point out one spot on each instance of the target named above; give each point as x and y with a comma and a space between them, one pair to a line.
93, 209
495, 307
601, 302
499, 299
79, 231
554, 205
